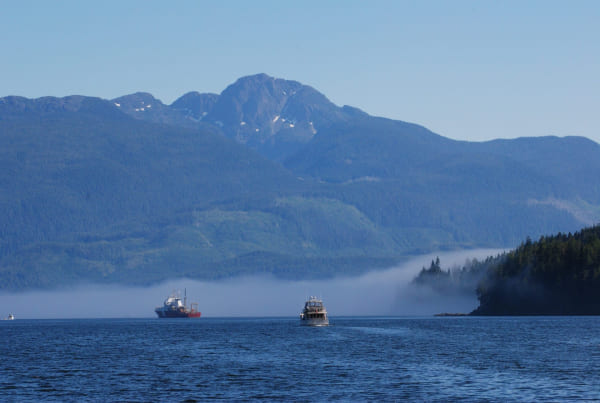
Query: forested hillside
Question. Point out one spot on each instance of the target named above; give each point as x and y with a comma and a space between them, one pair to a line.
267, 177
556, 275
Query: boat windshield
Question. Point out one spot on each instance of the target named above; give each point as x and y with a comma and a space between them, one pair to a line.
314, 305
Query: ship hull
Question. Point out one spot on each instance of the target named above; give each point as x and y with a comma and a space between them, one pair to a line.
314, 322
177, 314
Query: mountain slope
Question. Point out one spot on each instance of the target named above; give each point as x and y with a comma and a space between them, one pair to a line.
97, 190
92, 194
365, 146
572, 161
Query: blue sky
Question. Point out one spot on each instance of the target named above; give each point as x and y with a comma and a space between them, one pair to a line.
470, 70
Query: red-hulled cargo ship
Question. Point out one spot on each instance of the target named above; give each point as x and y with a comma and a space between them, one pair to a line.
174, 308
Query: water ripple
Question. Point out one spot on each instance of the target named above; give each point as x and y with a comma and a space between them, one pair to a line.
422, 359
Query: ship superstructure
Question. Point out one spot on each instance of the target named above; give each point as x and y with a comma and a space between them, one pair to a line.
173, 307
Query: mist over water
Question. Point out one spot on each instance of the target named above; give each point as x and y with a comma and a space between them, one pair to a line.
381, 292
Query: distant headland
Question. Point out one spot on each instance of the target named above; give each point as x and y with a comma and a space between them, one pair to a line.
556, 275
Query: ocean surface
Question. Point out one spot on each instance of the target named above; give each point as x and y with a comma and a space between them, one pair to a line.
357, 359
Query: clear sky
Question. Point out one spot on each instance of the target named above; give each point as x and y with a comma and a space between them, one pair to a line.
470, 70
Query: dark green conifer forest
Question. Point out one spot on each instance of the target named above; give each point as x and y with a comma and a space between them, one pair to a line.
557, 275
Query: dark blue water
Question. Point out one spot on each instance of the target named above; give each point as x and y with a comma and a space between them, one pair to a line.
432, 359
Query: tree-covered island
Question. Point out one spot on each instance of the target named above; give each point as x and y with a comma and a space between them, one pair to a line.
556, 275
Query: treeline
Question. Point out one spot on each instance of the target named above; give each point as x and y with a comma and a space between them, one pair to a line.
459, 280
557, 275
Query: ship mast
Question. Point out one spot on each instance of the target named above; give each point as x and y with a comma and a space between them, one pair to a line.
185, 297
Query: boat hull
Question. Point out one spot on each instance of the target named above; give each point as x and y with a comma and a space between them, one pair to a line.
177, 314
314, 322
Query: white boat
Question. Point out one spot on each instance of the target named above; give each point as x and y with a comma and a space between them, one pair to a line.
314, 313
10, 317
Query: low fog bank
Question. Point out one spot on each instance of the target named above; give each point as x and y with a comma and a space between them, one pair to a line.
382, 292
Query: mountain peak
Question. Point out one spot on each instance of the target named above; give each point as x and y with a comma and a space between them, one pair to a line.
272, 115
137, 102
195, 105
258, 78
261, 85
